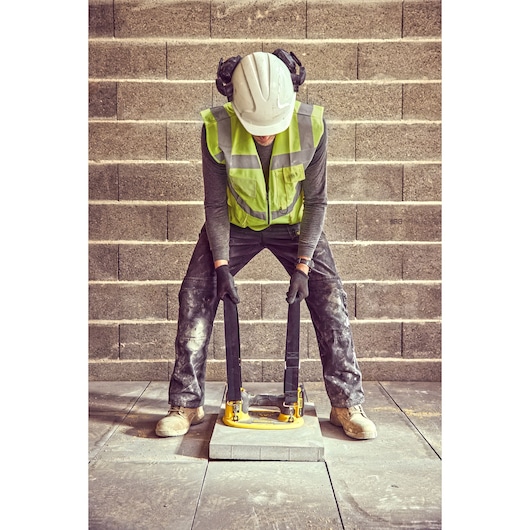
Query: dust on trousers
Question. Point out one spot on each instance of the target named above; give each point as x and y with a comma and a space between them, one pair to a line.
326, 303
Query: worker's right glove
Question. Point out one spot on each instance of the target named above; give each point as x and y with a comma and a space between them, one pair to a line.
299, 288
226, 286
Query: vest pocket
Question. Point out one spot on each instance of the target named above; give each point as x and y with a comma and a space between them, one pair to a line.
287, 180
245, 187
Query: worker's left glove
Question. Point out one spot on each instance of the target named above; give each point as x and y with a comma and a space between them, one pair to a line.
298, 288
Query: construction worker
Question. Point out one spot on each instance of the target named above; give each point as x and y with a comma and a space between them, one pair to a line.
264, 159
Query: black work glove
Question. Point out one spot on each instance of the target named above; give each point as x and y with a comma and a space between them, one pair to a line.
226, 285
298, 289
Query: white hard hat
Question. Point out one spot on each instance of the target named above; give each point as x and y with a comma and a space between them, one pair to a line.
264, 96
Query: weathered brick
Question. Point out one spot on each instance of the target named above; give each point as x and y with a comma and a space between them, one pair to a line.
184, 221
103, 341
165, 181
422, 182
127, 141
273, 303
147, 341
199, 60
103, 182
169, 18
377, 339
102, 99
422, 262
184, 141
102, 262
126, 60
114, 301
361, 262
340, 224
347, 19
337, 62
362, 182
250, 305
422, 340
127, 221
215, 370
274, 370
153, 262
422, 18
401, 370
248, 309
358, 101
310, 370
341, 141
422, 101
398, 300
163, 101
400, 142
263, 266
129, 370
391, 222
258, 19
400, 60
265, 340
100, 18
251, 370
172, 299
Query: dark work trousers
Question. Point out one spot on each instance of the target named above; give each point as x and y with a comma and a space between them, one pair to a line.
326, 303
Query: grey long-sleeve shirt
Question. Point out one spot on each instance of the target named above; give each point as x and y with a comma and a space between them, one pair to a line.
216, 208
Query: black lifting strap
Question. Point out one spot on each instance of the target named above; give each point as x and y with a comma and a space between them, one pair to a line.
233, 354
292, 354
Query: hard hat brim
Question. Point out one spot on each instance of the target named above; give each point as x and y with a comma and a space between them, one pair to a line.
269, 129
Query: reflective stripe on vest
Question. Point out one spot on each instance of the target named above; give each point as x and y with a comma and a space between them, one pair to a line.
249, 203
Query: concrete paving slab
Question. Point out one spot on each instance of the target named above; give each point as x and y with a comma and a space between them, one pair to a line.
421, 401
267, 496
138, 480
391, 481
304, 443
134, 439
403, 494
109, 403
138, 495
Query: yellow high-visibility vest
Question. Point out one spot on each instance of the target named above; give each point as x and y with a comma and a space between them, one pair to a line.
249, 202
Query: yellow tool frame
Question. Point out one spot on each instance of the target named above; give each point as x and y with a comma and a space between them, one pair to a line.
263, 411
267, 415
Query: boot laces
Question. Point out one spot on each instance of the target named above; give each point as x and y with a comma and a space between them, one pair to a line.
177, 410
356, 409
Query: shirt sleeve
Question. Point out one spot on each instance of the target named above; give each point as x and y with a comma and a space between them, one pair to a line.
315, 199
215, 202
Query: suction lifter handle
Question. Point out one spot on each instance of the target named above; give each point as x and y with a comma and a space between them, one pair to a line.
233, 352
292, 354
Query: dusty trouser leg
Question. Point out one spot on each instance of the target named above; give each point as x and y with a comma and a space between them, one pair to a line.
197, 307
342, 376
327, 305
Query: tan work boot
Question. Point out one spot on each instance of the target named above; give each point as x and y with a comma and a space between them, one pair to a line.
354, 422
178, 421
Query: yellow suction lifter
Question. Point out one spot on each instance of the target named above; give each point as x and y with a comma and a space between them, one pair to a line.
263, 411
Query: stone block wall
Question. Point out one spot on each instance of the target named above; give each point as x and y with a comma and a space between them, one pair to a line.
376, 68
